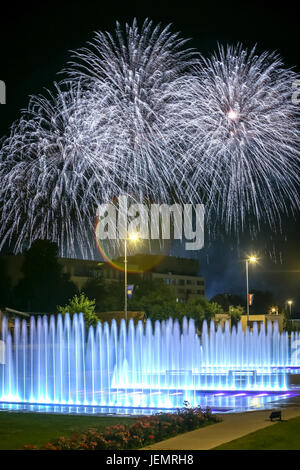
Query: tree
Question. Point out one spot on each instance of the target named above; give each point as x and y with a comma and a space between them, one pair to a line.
95, 289
262, 302
5, 285
158, 301
44, 285
226, 300
81, 304
113, 299
235, 313
154, 298
200, 309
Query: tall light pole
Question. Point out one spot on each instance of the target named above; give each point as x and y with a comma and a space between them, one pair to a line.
125, 279
132, 237
290, 303
251, 259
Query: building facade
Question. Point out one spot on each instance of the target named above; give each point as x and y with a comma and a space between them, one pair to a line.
262, 321
179, 273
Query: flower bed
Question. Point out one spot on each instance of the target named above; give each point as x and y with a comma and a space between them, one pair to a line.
142, 432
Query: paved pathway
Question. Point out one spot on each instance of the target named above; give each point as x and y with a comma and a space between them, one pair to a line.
232, 427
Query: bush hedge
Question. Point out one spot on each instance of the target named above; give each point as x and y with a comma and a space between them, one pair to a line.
143, 431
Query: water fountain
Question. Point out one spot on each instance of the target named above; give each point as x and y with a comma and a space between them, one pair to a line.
56, 360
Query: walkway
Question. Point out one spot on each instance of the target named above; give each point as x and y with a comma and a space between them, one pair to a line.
232, 427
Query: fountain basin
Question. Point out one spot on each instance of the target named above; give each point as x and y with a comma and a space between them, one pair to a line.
58, 361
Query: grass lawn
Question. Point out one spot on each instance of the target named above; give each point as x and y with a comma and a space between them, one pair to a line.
283, 435
18, 429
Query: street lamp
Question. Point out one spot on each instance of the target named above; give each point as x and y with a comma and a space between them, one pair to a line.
290, 303
251, 259
134, 237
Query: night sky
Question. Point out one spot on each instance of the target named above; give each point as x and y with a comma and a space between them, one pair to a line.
35, 39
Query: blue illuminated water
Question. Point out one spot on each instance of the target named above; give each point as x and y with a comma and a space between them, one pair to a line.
56, 361
218, 402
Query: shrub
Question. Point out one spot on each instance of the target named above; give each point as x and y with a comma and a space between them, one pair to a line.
141, 432
81, 304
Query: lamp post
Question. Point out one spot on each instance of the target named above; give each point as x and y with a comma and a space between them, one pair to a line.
125, 279
251, 259
290, 303
131, 237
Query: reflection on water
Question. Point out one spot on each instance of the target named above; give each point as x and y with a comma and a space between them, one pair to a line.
219, 402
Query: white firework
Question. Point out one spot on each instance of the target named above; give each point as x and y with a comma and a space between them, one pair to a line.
245, 131
138, 71
141, 115
49, 171
108, 130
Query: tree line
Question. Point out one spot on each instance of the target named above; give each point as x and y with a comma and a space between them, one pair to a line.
45, 288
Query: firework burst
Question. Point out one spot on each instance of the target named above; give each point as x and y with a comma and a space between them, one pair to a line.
245, 130
142, 115
138, 71
109, 129
49, 171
